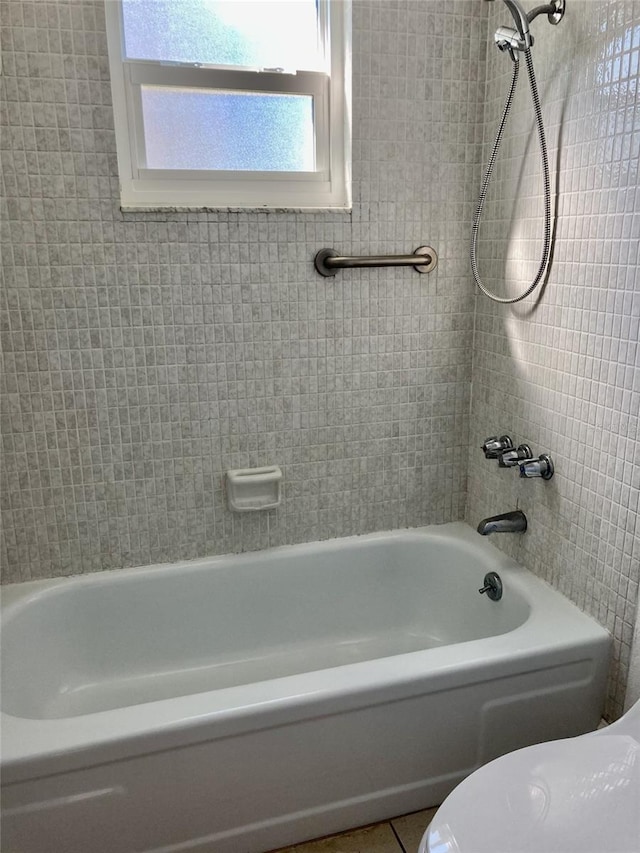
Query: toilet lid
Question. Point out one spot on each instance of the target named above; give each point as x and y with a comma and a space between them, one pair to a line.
580, 795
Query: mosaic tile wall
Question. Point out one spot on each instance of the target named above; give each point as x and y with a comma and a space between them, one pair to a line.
564, 375
145, 354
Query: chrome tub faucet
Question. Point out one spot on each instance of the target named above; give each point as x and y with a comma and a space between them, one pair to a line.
507, 522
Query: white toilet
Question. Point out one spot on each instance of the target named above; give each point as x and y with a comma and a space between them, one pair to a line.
579, 795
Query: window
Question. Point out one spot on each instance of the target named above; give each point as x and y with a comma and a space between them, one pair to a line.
231, 103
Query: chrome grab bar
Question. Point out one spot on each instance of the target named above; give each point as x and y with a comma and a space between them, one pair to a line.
328, 261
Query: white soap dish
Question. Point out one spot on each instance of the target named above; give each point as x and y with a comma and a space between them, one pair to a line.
251, 489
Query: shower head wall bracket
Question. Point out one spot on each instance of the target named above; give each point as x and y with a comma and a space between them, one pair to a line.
520, 38
554, 11
508, 38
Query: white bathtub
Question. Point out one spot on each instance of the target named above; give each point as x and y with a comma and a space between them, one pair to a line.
238, 704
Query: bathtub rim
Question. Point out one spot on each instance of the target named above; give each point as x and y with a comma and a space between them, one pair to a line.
45, 746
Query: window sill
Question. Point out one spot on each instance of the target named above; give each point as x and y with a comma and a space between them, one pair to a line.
125, 209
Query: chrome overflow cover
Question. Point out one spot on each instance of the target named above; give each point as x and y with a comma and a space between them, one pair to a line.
492, 586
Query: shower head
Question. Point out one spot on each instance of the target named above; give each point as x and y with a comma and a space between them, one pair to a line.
520, 38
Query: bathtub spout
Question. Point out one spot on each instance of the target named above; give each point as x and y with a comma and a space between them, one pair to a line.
508, 522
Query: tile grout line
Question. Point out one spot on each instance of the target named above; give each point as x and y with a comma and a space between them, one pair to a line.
393, 829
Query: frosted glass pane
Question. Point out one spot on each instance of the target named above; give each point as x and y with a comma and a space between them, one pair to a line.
196, 129
253, 33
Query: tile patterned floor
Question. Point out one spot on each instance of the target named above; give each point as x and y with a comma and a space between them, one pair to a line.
398, 835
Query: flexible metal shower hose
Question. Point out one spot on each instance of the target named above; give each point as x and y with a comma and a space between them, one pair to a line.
487, 178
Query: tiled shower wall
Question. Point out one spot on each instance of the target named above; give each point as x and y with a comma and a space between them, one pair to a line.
145, 354
564, 375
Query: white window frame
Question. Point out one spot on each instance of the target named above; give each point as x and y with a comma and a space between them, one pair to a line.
329, 186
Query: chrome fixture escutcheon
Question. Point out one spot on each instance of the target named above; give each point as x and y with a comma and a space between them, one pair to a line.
492, 586
556, 14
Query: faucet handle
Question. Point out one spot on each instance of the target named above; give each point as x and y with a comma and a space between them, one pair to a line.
494, 446
514, 456
540, 467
